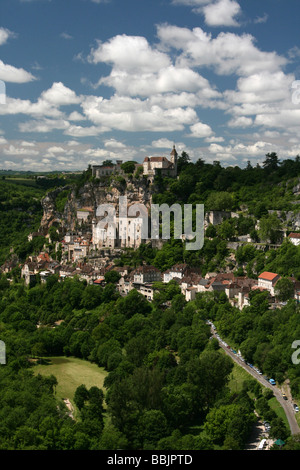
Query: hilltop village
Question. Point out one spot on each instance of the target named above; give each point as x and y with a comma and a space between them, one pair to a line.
90, 253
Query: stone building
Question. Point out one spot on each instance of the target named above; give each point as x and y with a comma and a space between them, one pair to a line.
267, 280
124, 231
146, 274
99, 171
153, 165
294, 238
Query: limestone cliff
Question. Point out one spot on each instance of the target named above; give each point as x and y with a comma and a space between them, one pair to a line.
89, 197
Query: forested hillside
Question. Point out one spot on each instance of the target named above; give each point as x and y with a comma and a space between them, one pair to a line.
270, 185
167, 382
21, 211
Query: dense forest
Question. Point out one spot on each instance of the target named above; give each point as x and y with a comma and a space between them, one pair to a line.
167, 381
259, 188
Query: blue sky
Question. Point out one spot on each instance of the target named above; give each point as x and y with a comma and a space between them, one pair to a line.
88, 80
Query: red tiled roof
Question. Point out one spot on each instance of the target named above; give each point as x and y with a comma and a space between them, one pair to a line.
156, 159
267, 276
44, 257
294, 235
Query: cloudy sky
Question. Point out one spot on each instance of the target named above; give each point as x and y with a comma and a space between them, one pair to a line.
87, 80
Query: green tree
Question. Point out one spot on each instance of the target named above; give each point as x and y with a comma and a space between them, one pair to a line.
229, 424
112, 439
209, 373
182, 161
81, 396
226, 230
278, 429
112, 277
284, 289
220, 201
153, 426
91, 297
271, 162
211, 231
128, 167
269, 228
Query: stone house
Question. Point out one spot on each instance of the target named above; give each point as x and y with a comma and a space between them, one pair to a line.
146, 274
99, 171
267, 280
294, 238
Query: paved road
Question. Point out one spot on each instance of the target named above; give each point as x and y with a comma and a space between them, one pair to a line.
287, 405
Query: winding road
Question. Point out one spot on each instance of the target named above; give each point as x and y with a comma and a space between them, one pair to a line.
287, 405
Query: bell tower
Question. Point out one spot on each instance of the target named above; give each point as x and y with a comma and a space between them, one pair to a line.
174, 159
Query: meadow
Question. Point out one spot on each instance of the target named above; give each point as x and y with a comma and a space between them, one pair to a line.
71, 372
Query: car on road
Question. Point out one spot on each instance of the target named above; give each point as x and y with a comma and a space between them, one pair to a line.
272, 382
284, 396
267, 426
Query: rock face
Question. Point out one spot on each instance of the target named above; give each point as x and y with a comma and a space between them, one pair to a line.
293, 220
89, 197
217, 217
296, 189
50, 213
289, 218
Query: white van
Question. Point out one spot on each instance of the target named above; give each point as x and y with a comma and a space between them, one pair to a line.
262, 444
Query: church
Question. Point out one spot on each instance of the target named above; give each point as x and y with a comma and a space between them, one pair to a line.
153, 165
125, 231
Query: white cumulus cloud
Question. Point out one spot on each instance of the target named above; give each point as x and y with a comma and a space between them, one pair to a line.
222, 13
9, 73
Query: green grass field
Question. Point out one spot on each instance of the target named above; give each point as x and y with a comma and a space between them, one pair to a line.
278, 410
71, 372
238, 376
